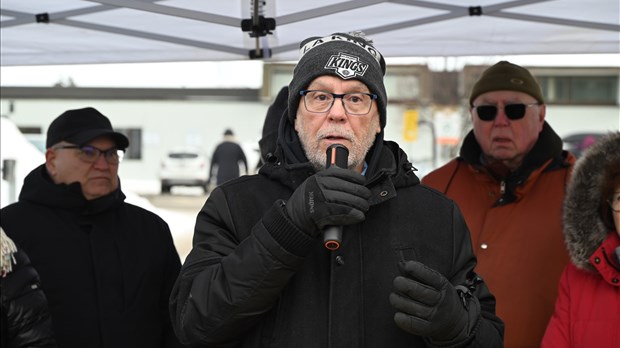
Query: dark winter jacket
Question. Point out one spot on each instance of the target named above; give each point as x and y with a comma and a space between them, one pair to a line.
253, 279
587, 312
25, 318
226, 158
107, 267
516, 229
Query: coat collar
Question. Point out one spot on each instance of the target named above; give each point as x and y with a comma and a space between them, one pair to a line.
392, 163
603, 259
39, 189
548, 145
388, 166
546, 155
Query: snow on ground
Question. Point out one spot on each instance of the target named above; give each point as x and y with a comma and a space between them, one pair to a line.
181, 226
14, 146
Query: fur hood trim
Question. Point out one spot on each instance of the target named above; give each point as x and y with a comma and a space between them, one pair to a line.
584, 230
7, 249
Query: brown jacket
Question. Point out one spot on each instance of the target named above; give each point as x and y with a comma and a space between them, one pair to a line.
516, 229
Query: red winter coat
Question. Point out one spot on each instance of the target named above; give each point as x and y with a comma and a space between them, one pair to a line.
587, 313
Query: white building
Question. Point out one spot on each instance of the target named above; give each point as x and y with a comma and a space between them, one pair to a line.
156, 120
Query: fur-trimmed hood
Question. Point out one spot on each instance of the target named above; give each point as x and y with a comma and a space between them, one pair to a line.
7, 249
584, 230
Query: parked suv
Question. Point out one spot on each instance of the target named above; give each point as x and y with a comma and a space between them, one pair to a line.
185, 166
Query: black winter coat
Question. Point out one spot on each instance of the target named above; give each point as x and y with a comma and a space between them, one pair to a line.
26, 320
226, 158
254, 280
106, 266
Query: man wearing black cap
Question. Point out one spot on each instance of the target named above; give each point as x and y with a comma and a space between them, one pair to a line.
261, 273
509, 180
107, 267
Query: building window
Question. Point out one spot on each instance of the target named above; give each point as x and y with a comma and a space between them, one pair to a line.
582, 90
34, 136
403, 83
134, 151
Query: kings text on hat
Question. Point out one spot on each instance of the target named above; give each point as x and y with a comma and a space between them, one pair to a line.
346, 65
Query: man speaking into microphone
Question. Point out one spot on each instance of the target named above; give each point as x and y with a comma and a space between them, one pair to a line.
259, 274
337, 155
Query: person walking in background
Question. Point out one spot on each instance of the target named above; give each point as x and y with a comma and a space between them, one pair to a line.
587, 311
107, 267
226, 159
259, 274
25, 318
509, 180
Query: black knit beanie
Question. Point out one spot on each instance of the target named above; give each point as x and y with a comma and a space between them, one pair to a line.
505, 76
342, 55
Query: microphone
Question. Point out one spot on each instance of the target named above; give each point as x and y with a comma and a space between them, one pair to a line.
337, 155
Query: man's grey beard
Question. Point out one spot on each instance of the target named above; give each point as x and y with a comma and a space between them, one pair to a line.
357, 153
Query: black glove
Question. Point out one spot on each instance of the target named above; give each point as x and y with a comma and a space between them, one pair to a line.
334, 196
428, 305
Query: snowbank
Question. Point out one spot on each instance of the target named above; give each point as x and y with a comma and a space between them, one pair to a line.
14, 146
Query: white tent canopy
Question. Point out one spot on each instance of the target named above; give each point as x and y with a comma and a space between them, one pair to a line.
125, 31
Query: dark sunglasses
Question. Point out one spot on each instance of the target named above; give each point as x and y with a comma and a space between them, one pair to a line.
512, 111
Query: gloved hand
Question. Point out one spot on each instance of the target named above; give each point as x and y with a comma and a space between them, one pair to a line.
334, 196
428, 305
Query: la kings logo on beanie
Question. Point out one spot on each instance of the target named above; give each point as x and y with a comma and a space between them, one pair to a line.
346, 65
344, 55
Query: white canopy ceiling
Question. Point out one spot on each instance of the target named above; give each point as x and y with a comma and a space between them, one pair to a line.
124, 31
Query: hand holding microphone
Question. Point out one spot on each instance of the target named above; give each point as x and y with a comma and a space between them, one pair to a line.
332, 197
336, 155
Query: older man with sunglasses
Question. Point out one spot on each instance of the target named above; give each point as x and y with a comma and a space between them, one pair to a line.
509, 180
107, 267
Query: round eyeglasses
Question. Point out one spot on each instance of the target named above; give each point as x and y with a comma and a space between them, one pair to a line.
358, 104
91, 154
512, 111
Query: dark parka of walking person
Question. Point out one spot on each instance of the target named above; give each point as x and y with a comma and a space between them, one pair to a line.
106, 266
259, 274
25, 318
226, 159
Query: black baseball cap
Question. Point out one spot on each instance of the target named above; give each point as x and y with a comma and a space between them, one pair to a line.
80, 126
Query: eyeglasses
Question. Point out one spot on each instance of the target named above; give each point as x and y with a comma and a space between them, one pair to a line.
91, 154
512, 111
353, 103
614, 203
